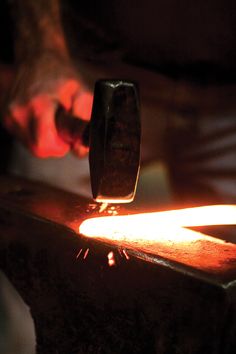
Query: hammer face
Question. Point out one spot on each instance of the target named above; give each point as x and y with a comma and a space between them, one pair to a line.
115, 135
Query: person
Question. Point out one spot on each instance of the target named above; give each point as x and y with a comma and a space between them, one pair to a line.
183, 56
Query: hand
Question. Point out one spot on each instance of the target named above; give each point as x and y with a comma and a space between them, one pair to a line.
40, 85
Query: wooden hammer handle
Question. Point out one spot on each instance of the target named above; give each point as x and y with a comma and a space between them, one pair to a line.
71, 128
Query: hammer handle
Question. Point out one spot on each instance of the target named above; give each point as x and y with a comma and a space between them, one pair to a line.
71, 128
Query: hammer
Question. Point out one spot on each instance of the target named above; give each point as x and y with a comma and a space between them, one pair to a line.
113, 136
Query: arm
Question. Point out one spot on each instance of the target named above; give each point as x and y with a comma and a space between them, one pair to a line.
38, 27
44, 77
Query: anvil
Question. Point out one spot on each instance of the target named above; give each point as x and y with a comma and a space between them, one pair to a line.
147, 303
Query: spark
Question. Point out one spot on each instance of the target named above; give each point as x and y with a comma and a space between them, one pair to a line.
126, 254
86, 253
92, 206
103, 207
111, 259
112, 212
120, 252
79, 253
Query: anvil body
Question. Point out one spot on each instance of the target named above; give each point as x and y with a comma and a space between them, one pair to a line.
144, 304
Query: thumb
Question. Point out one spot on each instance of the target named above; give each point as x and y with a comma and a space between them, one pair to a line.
82, 105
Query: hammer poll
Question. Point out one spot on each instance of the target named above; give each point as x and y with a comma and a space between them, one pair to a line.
113, 136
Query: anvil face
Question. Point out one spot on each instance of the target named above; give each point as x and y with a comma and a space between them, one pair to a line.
145, 303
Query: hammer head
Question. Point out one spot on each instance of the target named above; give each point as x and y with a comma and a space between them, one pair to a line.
115, 135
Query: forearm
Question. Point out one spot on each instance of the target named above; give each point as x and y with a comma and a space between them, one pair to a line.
37, 27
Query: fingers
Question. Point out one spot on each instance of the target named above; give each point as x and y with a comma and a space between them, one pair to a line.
66, 92
79, 149
34, 124
79, 102
76, 99
82, 105
16, 121
44, 139
81, 108
34, 121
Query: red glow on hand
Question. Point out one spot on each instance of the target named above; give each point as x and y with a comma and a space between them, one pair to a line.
34, 121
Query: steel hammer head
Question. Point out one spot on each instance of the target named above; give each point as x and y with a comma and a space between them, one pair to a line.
113, 137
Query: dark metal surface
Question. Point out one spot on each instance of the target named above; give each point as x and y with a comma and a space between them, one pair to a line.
115, 141
157, 301
113, 136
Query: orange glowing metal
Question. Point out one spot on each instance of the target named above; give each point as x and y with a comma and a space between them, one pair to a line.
164, 236
164, 226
